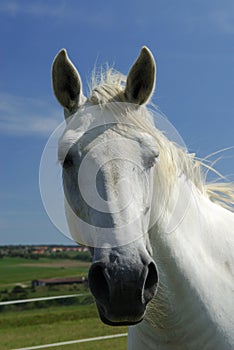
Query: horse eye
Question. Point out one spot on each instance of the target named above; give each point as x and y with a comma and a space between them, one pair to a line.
152, 160
68, 161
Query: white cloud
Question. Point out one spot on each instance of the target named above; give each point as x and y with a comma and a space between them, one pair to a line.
218, 16
60, 10
223, 19
27, 116
14, 8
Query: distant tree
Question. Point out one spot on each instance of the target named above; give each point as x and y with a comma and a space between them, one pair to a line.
17, 290
84, 256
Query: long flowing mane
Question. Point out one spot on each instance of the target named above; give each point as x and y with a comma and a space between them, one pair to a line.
108, 86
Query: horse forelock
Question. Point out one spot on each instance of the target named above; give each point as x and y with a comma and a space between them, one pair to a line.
107, 86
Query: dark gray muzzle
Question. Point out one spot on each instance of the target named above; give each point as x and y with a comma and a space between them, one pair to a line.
123, 281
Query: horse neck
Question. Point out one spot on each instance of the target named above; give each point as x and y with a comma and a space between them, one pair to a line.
192, 247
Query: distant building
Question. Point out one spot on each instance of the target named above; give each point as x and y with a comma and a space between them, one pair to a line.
58, 281
39, 252
57, 249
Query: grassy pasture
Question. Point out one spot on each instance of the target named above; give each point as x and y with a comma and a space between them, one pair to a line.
23, 271
57, 324
22, 327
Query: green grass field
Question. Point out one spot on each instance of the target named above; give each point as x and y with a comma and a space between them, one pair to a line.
23, 271
51, 324
56, 324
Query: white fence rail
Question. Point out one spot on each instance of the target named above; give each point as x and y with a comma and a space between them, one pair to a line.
20, 301
74, 341
65, 342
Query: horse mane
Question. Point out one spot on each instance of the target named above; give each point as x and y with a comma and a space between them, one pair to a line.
108, 86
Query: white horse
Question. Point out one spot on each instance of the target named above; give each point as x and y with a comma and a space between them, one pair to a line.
172, 282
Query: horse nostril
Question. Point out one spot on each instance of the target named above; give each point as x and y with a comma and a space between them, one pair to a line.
151, 282
98, 283
122, 296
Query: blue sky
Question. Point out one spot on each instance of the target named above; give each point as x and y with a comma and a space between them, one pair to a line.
193, 44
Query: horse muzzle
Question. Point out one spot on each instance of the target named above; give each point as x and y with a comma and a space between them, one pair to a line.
122, 285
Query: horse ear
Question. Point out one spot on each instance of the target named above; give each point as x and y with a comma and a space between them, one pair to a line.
141, 78
66, 83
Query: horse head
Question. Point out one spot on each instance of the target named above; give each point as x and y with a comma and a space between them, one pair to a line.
108, 165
